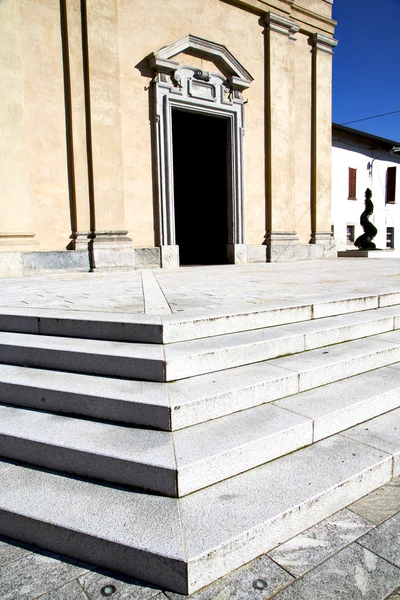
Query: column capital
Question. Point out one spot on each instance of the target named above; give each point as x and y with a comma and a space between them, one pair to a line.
322, 42
280, 24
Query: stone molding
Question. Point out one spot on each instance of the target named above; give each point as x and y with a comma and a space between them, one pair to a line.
10, 239
163, 65
279, 24
188, 88
322, 42
169, 256
308, 19
106, 249
161, 59
282, 237
237, 253
104, 238
321, 237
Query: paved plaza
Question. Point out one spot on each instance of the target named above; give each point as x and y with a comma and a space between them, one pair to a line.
354, 554
195, 290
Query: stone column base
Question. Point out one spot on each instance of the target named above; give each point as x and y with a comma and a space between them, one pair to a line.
107, 249
325, 239
236, 253
169, 256
283, 246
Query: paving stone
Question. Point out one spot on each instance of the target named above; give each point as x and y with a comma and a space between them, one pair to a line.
154, 299
35, 574
5, 465
10, 551
239, 585
382, 432
379, 505
384, 540
354, 573
71, 591
305, 551
126, 589
394, 595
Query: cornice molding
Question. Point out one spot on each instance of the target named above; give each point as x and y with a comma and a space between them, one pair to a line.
275, 22
308, 20
322, 42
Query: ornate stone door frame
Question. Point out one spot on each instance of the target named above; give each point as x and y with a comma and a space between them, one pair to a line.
177, 87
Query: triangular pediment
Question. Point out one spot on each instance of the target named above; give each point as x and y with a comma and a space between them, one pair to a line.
193, 45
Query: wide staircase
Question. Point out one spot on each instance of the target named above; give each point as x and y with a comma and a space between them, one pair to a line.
177, 448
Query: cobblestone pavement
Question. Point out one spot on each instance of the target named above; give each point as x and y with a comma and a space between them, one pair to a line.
186, 289
352, 555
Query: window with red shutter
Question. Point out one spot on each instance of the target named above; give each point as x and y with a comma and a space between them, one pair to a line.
391, 185
352, 184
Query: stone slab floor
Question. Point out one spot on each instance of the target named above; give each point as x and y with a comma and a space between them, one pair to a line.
201, 289
353, 555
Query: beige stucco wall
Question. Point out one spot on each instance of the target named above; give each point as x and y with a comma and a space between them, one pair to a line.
44, 120
14, 185
36, 121
302, 137
241, 33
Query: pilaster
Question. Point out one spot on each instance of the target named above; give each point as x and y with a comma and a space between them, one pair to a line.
280, 127
109, 246
321, 144
72, 31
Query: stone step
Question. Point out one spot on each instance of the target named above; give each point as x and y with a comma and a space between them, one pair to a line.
184, 544
332, 363
193, 324
180, 404
143, 403
114, 359
237, 389
343, 404
172, 464
187, 359
179, 463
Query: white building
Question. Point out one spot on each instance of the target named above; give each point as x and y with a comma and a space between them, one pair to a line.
360, 161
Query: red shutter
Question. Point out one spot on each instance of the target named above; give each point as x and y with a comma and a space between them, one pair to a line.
391, 185
352, 183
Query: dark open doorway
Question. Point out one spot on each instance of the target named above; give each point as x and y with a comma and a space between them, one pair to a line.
200, 154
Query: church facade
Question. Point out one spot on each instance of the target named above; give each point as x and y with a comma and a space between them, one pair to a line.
144, 133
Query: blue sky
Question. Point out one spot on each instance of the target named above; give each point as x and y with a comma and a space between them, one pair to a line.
366, 67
